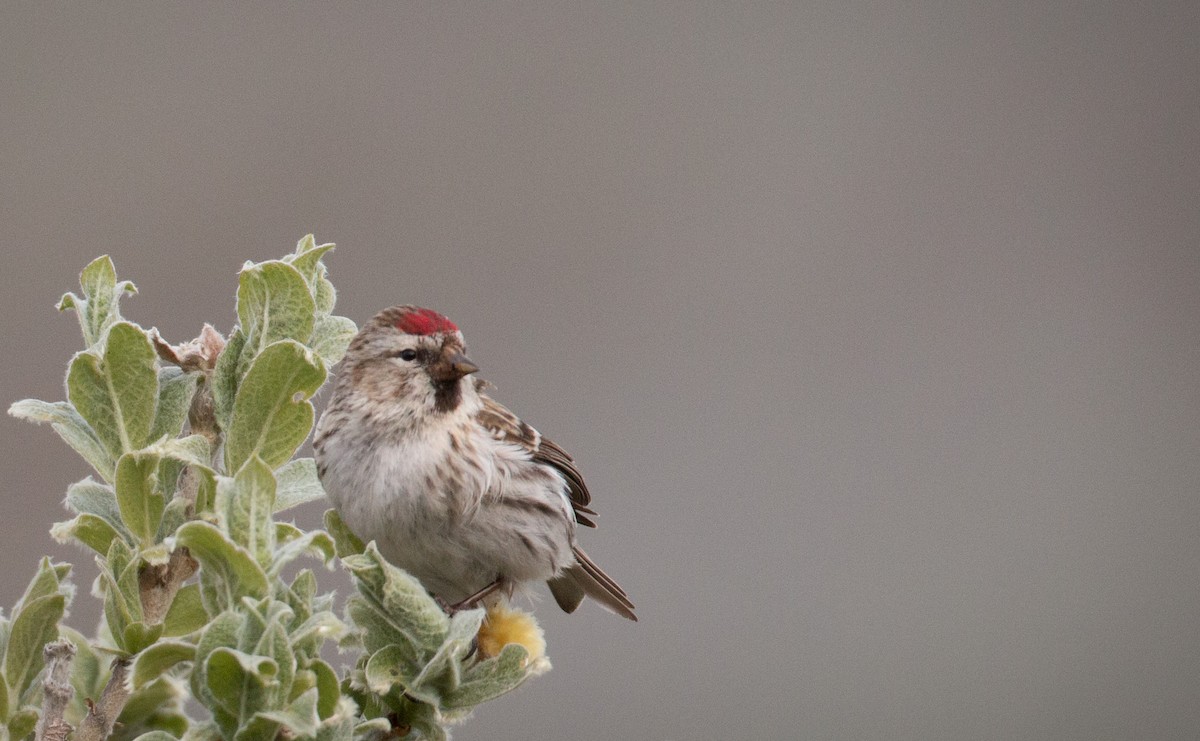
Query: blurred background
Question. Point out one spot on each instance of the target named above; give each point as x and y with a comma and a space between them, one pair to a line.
873, 326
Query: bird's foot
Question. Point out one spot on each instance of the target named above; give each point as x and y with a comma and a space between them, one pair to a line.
470, 602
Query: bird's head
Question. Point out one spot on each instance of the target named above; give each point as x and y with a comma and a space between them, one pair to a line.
412, 356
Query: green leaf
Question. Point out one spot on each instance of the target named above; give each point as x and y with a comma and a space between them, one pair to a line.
156, 706
491, 678
140, 504
325, 295
192, 450
307, 638
315, 543
222, 631
274, 644
156, 660
389, 673
156, 736
247, 501
328, 688
94, 498
117, 393
22, 723
297, 484
239, 681
88, 671
97, 309
33, 627
400, 599
99, 518
219, 556
47, 580
119, 577
307, 258
348, 544
175, 391
443, 670
71, 427
92, 531
260, 727
300, 717
138, 636
274, 303
226, 377
331, 336
271, 414
186, 614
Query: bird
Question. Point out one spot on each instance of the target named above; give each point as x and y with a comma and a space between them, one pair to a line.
452, 486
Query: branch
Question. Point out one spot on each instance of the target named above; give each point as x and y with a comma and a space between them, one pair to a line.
102, 714
158, 584
58, 691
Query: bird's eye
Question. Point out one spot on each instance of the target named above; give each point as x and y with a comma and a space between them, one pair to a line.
407, 354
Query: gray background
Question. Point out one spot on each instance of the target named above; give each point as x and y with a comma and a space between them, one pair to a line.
873, 328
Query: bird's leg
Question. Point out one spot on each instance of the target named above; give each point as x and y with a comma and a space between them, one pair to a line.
474, 599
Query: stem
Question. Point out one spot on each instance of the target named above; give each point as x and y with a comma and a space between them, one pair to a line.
58, 691
159, 584
102, 714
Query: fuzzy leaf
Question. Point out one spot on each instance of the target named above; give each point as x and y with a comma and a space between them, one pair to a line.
97, 309
186, 614
233, 565
314, 543
117, 393
226, 377
72, 428
491, 678
348, 544
399, 598
138, 636
175, 391
307, 638
94, 498
140, 504
89, 671
156, 736
389, 673
239, 681
328, 688
118, 575
274, 644
157, 705
33, 627
222, 631
443, 670
92, 531
47, 580
297, 484
331, 336
272, 414
273, 303
300, 717
22, 723
325, 295
247, 501
153, 662
307, 258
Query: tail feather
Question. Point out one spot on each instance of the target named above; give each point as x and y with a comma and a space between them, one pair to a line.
584, 577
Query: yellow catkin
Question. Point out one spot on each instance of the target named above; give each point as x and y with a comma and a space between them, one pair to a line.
504, 625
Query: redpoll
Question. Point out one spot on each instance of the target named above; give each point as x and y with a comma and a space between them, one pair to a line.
451, 486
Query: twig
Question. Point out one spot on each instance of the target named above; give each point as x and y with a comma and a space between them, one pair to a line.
57, 690
102, 714
158, 584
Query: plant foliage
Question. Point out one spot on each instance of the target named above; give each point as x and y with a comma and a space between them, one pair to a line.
193, 450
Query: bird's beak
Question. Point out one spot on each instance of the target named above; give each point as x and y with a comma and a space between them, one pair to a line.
452, 367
